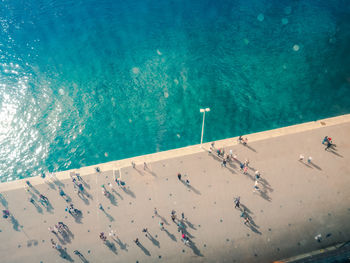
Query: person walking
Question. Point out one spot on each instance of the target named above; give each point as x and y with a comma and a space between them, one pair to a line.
245, 169
145, 230
309, 160
182, 215
155, 211
246, 221
237, 201
145, 166
133, 165
301, 157
256, 187
112, 233
179, 176
137, 242
257, 175
161, 224
246, 162
245, 141
223, 164
325, 139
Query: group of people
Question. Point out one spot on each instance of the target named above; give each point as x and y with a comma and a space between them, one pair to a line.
328, 142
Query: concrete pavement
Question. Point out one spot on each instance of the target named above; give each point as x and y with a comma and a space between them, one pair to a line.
297, 202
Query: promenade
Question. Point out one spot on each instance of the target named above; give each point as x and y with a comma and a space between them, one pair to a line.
297, 201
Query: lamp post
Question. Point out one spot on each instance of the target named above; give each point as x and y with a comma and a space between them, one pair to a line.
203, 111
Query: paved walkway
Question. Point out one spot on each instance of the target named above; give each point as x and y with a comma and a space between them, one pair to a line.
297, 202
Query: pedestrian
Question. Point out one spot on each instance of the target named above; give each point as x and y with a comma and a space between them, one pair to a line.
237, 201
62, 193
246, 221
245, 141
325, 139
223, 164
212, 148
79, 177
187, 182
145, 230
241, 165
231, 154
240, 139
245, 169
111, 233
329, 144
173, 212
98, 169
301, 157
117, 181
246, 163
52, 230
133, 164
257, 175
137, 242
100, 207
179, 176
173, 217
182, 215
318, 238
155, 211
103, 237
256, 187
161, 224
53, 243
222, 151
309, 160
144, 166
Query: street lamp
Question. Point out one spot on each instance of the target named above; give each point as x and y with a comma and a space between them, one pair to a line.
203, 111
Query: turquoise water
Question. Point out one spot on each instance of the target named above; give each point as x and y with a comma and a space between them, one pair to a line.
85, 82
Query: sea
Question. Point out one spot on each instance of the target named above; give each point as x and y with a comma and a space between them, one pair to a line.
90, 81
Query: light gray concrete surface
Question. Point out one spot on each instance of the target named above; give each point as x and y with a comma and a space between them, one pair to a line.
298, 201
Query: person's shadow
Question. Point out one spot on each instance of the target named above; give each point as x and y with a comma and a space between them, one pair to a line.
153, 240
147, 253
172, 237
123, 246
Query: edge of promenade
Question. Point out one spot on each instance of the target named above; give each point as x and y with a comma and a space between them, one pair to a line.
158, 156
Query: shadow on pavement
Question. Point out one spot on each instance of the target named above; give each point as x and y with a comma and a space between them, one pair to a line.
153, 240
114, 191
129, 192
123, 246
147, 253
65, 255
316, 166
163, 219
112, 199
170, 235
111, 246
195, 249
81, 256
3, 201
15, 223
191, 187
110, 217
